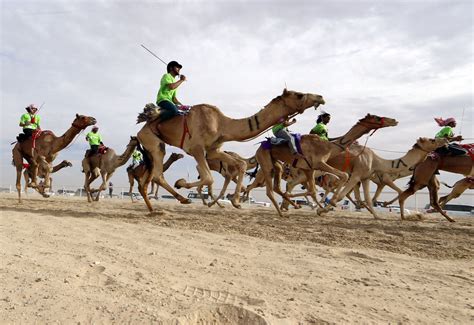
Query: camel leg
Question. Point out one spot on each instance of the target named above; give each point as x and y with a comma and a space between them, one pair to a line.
457, 190
156, 191
368, 199
205, 176
105, 178
227, 180
199, 191
258, 181
131, 181
266, 166
343, 177
26, 176
239, 164
433, 187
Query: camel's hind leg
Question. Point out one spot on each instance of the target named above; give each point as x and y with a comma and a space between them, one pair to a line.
131, 181
368, 199
266, 165
227, 180
433, 187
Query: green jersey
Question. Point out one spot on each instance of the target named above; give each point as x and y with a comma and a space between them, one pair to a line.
94, 138
445, 132
277, 127
136, 156
165, 93
321, 129
34, 121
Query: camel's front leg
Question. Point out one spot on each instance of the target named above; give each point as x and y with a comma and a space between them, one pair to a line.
105, 178
368, 199
343, 177
131, 181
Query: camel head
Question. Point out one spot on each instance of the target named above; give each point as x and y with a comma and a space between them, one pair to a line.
82, 121
297, 102
428, 145
133, 141
376, 122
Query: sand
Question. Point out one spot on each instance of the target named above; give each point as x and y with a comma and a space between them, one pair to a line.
63, 260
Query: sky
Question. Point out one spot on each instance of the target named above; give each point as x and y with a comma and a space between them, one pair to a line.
409, 60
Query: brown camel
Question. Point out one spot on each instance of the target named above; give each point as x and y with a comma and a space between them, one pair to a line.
230, 173
137, 172
104, 165
467, 183
203, 131
317, 153
425, 175
361, 162
41, 189
46, 148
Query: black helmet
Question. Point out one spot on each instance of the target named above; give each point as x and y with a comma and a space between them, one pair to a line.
173, 64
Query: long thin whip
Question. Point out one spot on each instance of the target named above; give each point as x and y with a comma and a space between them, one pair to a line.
156, 56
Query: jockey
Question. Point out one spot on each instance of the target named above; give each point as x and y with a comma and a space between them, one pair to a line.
321, 128
95, 140
281, 131
30, 121
448, 133
136, 158
166, 97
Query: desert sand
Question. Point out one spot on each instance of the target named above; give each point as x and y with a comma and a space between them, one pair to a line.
66, 261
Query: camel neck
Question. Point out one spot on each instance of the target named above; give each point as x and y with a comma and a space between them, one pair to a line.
64, 140
250, 127
125, 156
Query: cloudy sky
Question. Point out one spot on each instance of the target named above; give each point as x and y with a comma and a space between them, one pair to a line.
410, 60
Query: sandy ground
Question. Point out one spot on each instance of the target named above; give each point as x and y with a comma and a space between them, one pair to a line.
63, 260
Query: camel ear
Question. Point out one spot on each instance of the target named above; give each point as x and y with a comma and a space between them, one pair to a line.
77, 115
285, 92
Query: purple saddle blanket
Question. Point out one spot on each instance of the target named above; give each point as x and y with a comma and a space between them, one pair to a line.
270, 142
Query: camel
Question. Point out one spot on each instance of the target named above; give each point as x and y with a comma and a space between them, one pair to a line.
46, 148
317, 152
424, 175
137, 172
41, 189
361, 162
467, 183
202, 132
104, 165
230, 173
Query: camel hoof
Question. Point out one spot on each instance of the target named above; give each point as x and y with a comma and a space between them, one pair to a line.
298, 206
236, 205
186, 201
180, 183
33, 185
45, 195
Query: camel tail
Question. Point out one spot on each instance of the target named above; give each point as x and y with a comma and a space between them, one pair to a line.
446, 185
254, 173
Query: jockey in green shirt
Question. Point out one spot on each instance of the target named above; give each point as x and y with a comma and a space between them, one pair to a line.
166, 97
321, 128
94, 139
30, 121
448, 133
280, 130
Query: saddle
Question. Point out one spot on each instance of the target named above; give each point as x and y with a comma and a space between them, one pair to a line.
273, 141
153, 112
102, 149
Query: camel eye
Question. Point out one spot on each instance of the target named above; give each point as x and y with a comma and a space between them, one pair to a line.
299, 96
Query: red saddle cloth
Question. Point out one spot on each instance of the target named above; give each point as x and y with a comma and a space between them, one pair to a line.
470, 149
102, 149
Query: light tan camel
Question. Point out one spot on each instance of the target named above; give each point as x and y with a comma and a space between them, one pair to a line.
361, 162
40, 188
138, 171
203, 131
424, 175
104, 165
230, 173
467, 183
47, 147
317, 153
